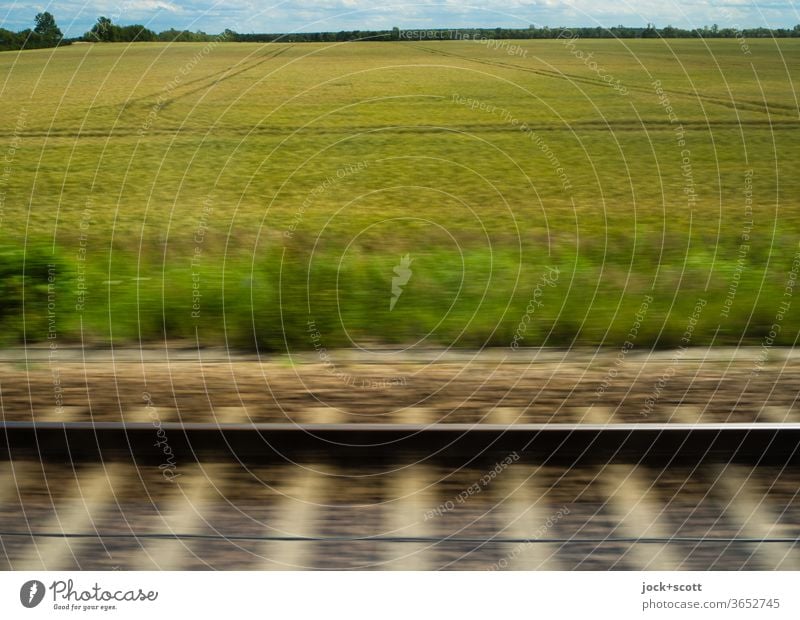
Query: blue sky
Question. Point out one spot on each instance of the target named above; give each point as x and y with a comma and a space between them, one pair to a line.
75, 17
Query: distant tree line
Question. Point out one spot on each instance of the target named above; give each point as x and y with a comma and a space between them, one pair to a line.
598, 32
532, 32
47, 34
105, 31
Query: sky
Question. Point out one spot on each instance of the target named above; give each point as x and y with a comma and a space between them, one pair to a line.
75, 17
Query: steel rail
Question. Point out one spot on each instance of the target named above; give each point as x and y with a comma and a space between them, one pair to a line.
645, 442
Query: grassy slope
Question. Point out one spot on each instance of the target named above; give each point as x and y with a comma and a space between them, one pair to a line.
248, 133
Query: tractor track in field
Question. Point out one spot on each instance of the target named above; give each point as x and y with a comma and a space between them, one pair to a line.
610, 125
151, 100
757, 106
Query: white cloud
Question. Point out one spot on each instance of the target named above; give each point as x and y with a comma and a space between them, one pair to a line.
154, 5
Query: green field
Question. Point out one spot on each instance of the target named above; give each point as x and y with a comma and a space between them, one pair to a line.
235, 192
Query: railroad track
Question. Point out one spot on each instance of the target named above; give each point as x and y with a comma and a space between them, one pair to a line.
558, 461
556, 497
